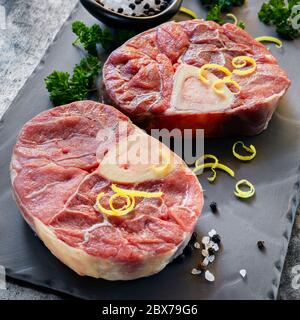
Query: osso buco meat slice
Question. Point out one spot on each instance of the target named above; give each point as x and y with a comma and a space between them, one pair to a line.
65, 157
154, 79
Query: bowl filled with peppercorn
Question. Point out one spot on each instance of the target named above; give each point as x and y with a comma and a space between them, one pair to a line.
137, 14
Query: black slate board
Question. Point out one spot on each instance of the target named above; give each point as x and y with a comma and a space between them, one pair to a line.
269, 216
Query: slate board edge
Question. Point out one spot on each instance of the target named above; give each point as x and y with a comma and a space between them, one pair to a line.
290, 214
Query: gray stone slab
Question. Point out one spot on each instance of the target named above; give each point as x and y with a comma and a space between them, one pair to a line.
30, 28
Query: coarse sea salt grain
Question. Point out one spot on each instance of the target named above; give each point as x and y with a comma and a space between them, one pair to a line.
243, 273
208, 260
210, 244
209, 276
205, 262
212, 232
195, 271
211, 258
204, 253
197, 245
205, 240
208, 253
215, 247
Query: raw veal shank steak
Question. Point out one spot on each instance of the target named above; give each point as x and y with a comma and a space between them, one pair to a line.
64, 158
153, 78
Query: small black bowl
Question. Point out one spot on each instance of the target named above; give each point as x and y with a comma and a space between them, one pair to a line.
118, 20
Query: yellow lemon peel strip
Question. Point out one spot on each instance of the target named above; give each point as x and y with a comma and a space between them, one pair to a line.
100, 207
135, 193
278, 43
240, 62
203, 71
251, 149
115, 212
189, 12
129, 195
232, 16
204, 157
125, 209
212, 166
126, 206
224, 81
244, 194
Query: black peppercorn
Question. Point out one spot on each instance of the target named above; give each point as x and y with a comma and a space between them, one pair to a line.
261, 245
132, 6
120, 10
163, 7
213, 206
216, 238
147, 6
211, 251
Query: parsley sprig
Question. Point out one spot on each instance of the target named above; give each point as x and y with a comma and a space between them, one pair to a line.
214, 14
281, 15
217, 7
65, 89
89, 37
225, 5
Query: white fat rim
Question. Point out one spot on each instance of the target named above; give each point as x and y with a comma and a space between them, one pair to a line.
85, 264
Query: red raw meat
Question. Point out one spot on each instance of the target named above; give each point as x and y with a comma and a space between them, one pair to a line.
139, 79
58, 169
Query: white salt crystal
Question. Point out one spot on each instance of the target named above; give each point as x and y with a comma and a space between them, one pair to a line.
197, 245
212, 232
243, 273
195, 271
205, 240
209, 276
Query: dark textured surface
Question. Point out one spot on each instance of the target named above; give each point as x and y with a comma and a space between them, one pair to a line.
249, 218
290, 280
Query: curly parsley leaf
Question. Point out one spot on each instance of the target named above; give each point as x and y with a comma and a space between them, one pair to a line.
280, 14
58, 85
89, 37
241, 24
215, 14
64, 89
225, 5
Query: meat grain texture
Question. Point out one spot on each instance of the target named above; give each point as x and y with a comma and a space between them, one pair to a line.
140, 76
56, 177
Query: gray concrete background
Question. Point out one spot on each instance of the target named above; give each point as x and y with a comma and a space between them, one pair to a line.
22, 45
